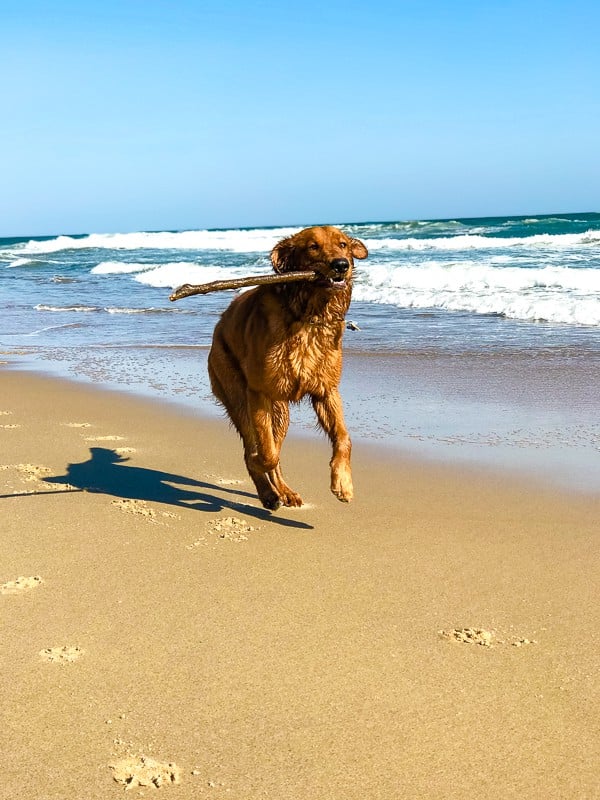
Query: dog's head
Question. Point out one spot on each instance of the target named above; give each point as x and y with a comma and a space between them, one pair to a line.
325, 250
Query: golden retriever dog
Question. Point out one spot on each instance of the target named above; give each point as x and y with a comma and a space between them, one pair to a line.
279, 343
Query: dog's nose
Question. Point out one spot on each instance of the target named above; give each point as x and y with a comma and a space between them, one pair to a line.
340, 265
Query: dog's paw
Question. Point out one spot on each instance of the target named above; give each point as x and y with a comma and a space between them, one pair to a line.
341, 486
344, 497
290, 498
270, 500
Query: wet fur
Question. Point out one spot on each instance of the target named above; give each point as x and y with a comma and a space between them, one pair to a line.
277, 344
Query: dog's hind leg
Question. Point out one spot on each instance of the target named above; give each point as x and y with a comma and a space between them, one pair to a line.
229, 387
331, 418
268, 422
280, 420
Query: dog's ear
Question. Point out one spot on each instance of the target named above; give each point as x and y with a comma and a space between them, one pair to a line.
358, 249
282, 255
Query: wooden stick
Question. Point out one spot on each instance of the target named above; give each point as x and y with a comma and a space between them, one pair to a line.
238, 283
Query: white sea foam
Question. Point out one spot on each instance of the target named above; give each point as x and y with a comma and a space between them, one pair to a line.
42, 307
109, 310
151, 310
176, 273
262, 240
170, 274
554, 294
476, 242
239, 241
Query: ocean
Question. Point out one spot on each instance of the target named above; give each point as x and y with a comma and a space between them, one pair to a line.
478, 339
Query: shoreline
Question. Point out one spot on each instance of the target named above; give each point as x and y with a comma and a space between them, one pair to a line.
435, 635
533, 415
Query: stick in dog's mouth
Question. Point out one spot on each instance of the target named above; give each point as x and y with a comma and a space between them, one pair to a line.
239, 283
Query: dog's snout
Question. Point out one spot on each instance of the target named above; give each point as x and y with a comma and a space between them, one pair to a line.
340, 265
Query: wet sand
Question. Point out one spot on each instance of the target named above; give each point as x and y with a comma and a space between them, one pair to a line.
535, 413
436, 638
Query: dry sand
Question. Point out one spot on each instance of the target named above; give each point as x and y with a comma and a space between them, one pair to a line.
438, 638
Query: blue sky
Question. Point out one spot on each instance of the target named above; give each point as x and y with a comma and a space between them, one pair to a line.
120, 116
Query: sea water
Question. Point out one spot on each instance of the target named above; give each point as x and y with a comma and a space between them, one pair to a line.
477, 338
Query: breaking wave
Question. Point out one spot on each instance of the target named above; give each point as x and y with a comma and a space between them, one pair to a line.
263, 240
553, 294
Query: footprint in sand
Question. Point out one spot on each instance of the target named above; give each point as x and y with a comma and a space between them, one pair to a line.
76, 424
9, 427
25, 473
138, 507
470, 636
232, 528
144, 771
32, 472
125, 451
483, 637
5, 413
61, 655
19, 585
35, 473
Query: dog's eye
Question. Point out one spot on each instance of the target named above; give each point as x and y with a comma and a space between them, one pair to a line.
313, 246
343, 244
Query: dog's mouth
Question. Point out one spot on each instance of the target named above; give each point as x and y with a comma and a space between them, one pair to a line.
331, 282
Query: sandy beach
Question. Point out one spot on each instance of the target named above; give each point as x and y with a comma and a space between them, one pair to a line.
161, 632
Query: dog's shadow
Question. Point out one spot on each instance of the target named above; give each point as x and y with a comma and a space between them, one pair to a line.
107, 472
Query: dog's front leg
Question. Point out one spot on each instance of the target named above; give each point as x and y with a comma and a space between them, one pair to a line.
331, 418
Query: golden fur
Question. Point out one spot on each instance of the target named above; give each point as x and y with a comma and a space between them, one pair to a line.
276, 344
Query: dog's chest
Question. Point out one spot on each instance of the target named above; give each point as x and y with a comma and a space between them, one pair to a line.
306, 362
